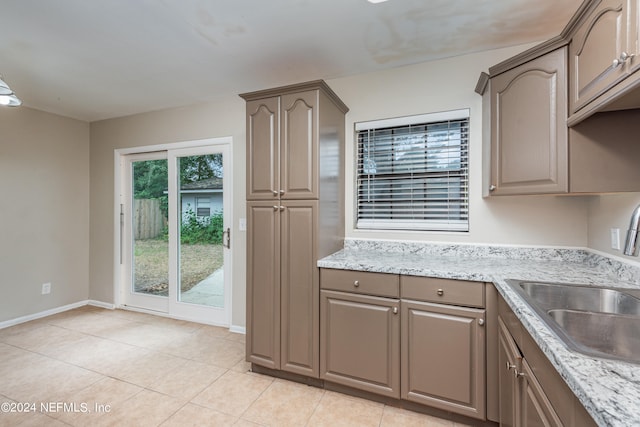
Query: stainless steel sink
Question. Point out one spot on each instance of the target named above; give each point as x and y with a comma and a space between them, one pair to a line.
607, 334
601, 300
598, 321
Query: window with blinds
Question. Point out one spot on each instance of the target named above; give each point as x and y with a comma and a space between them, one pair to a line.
413, 172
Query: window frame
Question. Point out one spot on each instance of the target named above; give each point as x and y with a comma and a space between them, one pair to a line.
441, 224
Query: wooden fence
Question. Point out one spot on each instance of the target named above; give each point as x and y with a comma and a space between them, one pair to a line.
148, 220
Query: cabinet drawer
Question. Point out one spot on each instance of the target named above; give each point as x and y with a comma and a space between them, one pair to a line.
360, 282
444, 291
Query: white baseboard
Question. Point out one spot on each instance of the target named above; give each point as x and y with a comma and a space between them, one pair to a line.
29, 317
238, 329
94, 303
101, 304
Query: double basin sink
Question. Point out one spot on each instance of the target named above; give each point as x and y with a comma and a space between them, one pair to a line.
597, 321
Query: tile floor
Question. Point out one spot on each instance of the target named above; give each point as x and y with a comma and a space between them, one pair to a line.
97, 367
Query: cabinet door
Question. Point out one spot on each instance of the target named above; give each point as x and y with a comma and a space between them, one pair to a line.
263, 284
263, 149
443, 357
299, 146
360, 342
299, 281
509, 364
599, 41
529, 151
536, 408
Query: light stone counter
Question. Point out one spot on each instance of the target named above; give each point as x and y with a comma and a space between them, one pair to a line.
608, 389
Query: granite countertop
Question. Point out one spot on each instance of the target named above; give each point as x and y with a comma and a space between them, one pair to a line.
608, 389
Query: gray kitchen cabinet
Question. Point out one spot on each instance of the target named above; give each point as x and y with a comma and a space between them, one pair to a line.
263, 284
263, 149
530, 150
531, 393
286, 128
419, 339
295, 154
283, 313
443, 344
522, 400
443, 357
510, 363
529, 136
603, 50
282, 138
360, 342
541, 133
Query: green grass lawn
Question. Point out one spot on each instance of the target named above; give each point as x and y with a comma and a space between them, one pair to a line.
151, 271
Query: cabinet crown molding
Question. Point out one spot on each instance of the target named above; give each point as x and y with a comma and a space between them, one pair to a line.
299, 87
563, 39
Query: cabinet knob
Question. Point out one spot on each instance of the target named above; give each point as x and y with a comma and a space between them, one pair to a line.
275, 208
440, 292
510, 366
395, 310
281, 192
624, 57
492, 187
481, 322
275, 193
281, 208
356, 283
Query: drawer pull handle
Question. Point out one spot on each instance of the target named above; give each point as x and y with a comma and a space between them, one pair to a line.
356, 283
440, 292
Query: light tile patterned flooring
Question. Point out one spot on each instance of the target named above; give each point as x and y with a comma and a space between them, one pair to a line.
144, 370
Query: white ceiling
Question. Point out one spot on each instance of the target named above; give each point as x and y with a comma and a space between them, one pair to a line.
97, 59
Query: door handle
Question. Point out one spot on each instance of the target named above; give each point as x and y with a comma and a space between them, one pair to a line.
226, 238
121, 230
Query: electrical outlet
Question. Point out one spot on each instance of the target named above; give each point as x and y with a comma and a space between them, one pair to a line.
615, 239
46, 288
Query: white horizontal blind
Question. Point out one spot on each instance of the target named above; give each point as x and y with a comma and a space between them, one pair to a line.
413, 173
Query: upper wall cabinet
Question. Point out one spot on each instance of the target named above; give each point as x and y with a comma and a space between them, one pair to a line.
563, 117
528, 127
604, 50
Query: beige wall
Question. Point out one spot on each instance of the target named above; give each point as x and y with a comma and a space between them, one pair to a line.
219, 119
435, 86
46, 162
611, 211
448, 85
44, 212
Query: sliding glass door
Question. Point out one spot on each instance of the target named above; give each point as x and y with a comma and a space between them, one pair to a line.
176, 234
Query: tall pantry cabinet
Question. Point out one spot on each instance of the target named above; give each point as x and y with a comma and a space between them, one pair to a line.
295, 215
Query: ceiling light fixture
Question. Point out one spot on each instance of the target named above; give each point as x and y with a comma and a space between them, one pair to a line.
376, 1
7, 97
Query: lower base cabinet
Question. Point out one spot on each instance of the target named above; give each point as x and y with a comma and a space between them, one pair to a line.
360, 338
531, 392
443, 357
405, 338
522, 400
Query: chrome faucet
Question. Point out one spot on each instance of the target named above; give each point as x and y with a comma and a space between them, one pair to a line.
632, 246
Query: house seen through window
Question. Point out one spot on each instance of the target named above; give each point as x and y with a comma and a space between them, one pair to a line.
413, 172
